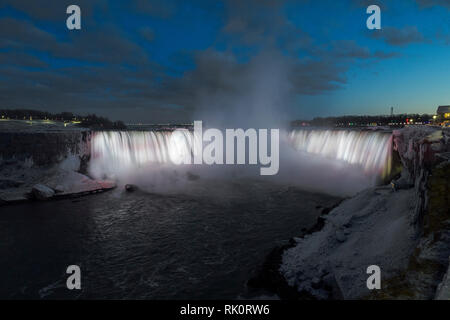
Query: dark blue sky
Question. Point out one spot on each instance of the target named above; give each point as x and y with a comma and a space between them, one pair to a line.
171, 61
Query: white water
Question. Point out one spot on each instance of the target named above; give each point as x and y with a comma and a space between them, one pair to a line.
369, 150
114, 154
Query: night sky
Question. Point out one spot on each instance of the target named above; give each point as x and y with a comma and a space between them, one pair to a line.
177, 61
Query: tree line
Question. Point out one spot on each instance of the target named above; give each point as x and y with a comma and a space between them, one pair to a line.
355, 120
88, 121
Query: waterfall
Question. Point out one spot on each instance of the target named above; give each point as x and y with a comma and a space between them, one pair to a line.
367, 149
113, 152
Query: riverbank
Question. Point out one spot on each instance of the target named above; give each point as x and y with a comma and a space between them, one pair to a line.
21, 184
42, 160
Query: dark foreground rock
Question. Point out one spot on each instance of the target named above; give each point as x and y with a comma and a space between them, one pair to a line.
42, 148
268, 277
130, 187
443, 290
42, 192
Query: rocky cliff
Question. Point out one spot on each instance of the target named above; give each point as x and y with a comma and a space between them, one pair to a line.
43, 148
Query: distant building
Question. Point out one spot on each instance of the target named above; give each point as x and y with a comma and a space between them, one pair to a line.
443, 114
443, 111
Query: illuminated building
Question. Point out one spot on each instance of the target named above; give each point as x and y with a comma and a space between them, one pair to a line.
443, 114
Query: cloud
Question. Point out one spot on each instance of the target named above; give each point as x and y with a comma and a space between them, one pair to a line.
263, 64
432, 3
399, 37
22, 34
443, 37
113, 74
262, 24
95, 46
147, 33
50, 10
113, 91
91, 46
223, 90
221, 83
350, 49
156, 8
385, 5
385, 55
21, 59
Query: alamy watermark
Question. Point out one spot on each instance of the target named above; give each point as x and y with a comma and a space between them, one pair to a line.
74, 20
74, 280
374, 280
374, 20
213, 146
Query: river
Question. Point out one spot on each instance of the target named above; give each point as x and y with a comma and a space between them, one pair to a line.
142, 245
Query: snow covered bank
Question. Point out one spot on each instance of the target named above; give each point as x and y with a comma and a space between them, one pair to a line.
390, 226
19, 184
42, 163
372, 228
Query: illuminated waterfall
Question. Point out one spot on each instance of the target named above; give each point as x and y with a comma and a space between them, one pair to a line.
369, 150
117, 151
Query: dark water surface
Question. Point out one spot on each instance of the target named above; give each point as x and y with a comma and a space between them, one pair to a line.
150, 246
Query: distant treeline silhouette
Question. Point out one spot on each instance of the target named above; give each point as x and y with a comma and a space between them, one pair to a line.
382, 120
89, 121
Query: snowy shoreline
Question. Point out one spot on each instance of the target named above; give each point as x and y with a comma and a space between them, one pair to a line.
42, 163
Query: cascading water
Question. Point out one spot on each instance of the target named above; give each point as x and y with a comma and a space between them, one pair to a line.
116, 152
369, 150
113, 152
